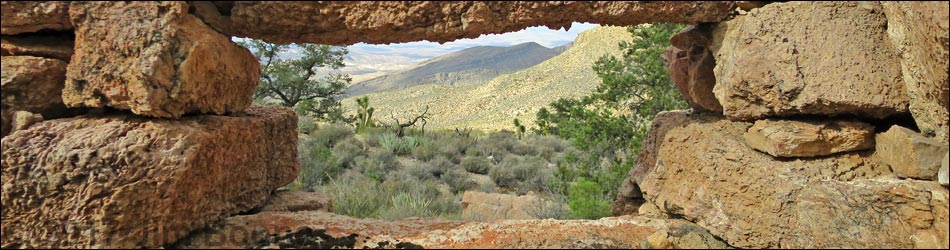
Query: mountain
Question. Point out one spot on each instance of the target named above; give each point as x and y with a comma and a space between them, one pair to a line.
520, 94
469, 66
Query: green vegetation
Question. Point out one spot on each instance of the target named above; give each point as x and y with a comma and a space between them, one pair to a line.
298, 83
609, 125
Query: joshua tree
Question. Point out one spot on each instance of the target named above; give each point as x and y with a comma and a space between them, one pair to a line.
521, 129
364, 116
399, 128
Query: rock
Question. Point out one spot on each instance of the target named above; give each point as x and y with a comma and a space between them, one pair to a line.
6, 122
183, 67
650, 210
657, 240
23, 120
295, 201
691, 67
749, 5
920, 31
788, 59
33, 84
909, 154
32, 16
481, 206
630, 194
884, 213
123, 181
48, 46
944, 174
704, 173
314, 229
344, 23
809, 138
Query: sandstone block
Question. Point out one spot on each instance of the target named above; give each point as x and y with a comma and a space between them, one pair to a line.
944, 174
125, 181
155, 59
295, 201
48, 46
920, 31
691, 64
32, 84
809, 138
31, 16
494, 206
787, 59
23, 120
705, 174
910, 154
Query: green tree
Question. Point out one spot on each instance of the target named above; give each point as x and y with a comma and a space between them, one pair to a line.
298, 82
609, 125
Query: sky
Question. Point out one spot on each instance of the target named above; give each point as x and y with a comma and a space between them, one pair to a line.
425, 49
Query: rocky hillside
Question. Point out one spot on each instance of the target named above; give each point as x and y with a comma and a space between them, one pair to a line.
469, 66
494, 104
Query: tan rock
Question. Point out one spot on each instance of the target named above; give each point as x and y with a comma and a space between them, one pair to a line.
295, 201
691, 64
23, 120
909, 154
31, 16
33, 84
657, 240
314, 229
809, 138
919, 31
481, 206
651, 211
704, 173
182, 67
125, 181
630, 194
788, 59
392, 22
48, 46
944, 174
885, 213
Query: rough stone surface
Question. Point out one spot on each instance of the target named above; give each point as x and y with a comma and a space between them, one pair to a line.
691, 67
24, 119
705, 174
788, 59
294, 201
920, 31
325, 230
944, 175
48, 46
183, 67
481, 206
809, 138
32, 84
910, 154
31, 16
6, 121
344, 23
125, 181
630, 196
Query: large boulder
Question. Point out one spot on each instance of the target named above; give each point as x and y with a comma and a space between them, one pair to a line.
910, 154
944, 174
691, 64
705, 173
32, 84
155, 59
809, 138
788, 59
48, 46
920, 31
122, 181
344, 23
294, 201
481, 206
32, 16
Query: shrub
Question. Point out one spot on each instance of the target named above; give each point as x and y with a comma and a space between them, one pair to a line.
355, 195
503, 177
347, 150
425, 152
553, 208
476, 164
377, 164
317, 165
587, 201
328, 135
523, 149
419, 171
306, 124
397, 145
439, 166
458, 180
